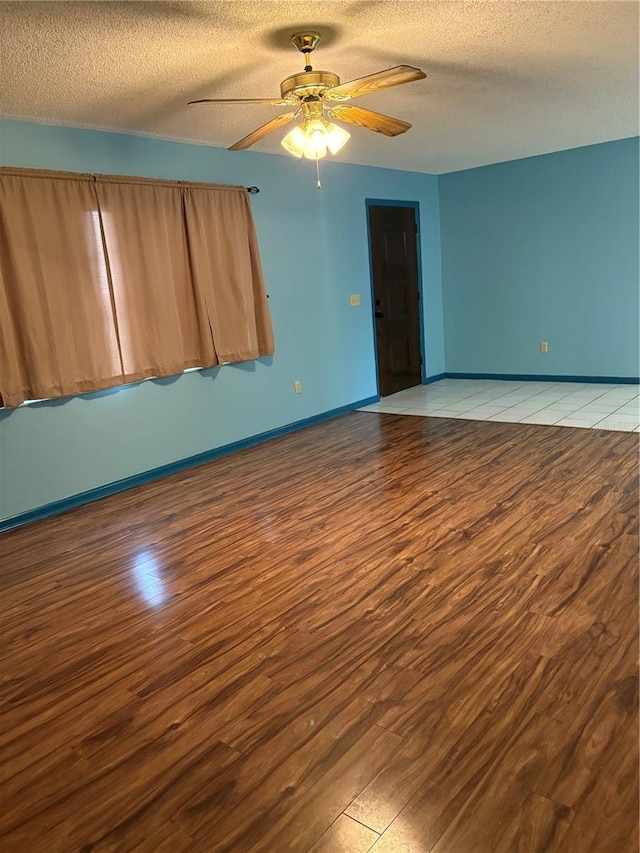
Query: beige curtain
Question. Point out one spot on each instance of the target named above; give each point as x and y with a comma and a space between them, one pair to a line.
162, 325
57, 334
106, 280
227, 272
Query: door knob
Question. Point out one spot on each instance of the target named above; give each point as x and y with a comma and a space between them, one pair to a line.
379, 315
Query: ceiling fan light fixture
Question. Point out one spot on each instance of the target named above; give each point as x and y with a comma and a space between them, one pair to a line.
313, 138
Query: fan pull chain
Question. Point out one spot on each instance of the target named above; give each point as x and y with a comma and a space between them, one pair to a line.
318, 184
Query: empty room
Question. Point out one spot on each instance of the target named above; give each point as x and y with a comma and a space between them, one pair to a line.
319, 421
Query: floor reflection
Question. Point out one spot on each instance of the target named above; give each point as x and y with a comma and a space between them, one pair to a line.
148, 579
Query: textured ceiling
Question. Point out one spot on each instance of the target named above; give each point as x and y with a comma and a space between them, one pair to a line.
505, 79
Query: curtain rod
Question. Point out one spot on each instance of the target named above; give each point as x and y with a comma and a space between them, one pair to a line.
91, 176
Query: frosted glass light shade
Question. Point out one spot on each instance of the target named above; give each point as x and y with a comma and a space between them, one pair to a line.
294, 141
316, 139
337, 136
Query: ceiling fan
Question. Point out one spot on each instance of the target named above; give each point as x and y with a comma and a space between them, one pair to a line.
311, 94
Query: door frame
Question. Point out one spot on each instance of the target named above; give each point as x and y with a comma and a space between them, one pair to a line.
386, 202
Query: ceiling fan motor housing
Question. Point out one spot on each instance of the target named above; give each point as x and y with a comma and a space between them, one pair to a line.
299, 86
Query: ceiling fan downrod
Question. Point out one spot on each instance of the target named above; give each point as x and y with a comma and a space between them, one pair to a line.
306, 43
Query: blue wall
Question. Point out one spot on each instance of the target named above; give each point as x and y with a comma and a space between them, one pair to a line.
543, 249
539, 249
314, 253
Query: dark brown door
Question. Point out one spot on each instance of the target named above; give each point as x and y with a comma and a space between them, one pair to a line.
394, 258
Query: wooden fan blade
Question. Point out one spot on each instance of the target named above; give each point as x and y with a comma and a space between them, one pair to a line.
367, 118
240, 101
259, 132
375, 82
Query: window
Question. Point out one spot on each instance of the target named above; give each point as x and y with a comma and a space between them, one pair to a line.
107, 280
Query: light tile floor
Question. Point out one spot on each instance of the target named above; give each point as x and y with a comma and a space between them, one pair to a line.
572, 404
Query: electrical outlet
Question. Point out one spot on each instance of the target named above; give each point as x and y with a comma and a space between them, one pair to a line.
544, 346
297, 387
354, 300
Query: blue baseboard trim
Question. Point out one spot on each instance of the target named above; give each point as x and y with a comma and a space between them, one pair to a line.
57, 507
532, 377
436, 378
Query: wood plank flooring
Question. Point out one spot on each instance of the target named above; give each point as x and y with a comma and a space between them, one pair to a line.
382, 633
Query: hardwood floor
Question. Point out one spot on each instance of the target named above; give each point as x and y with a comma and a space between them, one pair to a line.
383, 633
